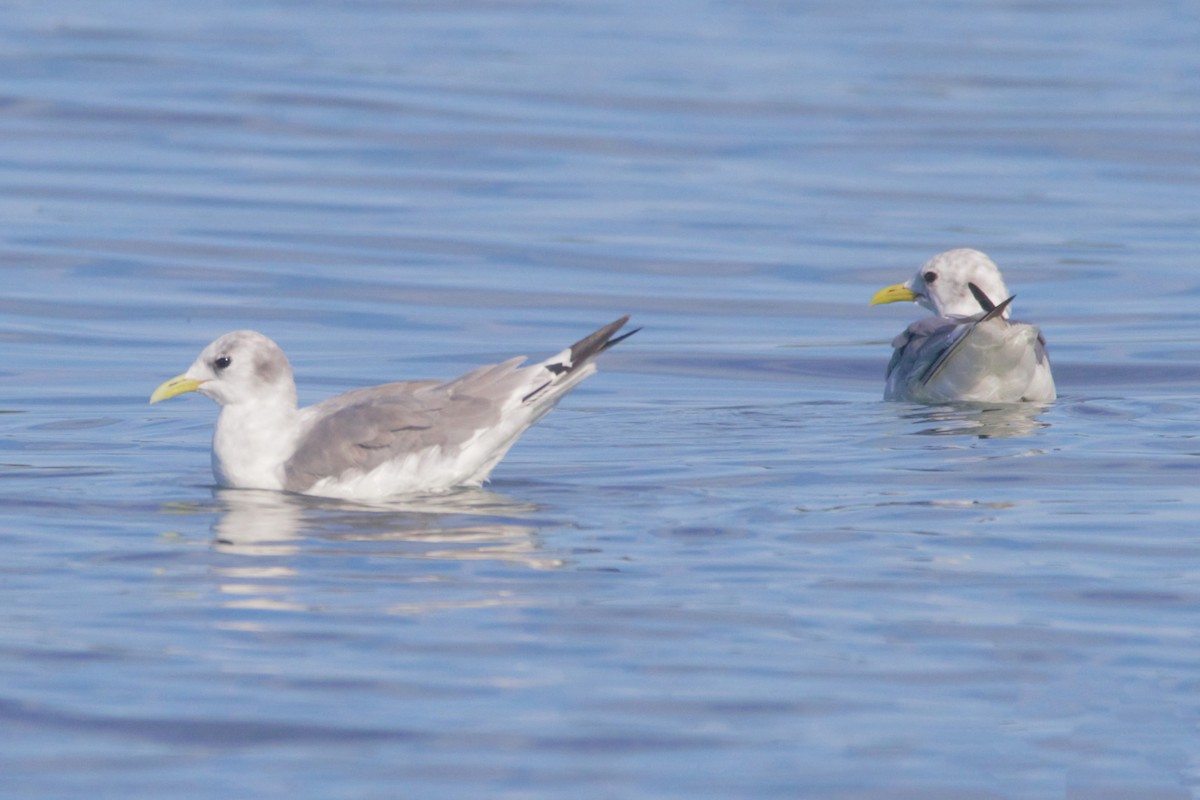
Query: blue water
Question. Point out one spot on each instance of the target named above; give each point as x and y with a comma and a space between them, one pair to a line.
723, 567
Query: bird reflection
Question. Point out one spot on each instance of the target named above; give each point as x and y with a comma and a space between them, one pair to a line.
980, 420
280, 534
257, 523
467, 524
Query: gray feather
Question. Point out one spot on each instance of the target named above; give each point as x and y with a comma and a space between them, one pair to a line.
366, 428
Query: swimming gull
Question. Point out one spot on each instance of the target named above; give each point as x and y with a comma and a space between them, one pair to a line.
971, 350
398, 438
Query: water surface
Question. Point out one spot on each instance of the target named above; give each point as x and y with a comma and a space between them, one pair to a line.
723, 567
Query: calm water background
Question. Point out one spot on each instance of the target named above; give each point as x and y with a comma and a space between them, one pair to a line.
723, 568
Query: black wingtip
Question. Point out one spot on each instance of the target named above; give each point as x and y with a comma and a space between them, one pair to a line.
990, 309
599, 341
584, 350
998, 310
619, 339
981, 297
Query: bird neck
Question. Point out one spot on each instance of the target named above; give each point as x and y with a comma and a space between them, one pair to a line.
253, 440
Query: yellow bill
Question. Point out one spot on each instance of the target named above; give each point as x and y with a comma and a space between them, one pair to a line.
176, 386
893, 294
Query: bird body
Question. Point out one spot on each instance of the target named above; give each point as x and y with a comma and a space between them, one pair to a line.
970, 351
397, 438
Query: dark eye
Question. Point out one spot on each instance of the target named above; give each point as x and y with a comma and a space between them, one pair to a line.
930, 276
222, 362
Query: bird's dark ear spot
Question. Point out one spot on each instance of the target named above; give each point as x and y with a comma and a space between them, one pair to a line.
266, 369
929, 277
222, 362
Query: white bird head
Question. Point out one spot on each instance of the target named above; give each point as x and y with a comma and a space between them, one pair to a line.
942, 284
240, 367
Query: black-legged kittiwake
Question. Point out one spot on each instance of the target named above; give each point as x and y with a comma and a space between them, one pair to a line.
971, 350
398, 438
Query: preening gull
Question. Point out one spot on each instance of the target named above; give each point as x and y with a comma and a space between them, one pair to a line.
399, 438
971, 350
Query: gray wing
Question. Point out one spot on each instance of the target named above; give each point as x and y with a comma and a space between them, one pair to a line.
991, 312
363, 429
927, 347
922, 344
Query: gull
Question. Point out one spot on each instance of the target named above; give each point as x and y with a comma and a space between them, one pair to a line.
411, 437
971, 350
